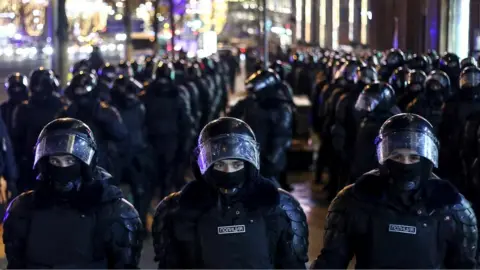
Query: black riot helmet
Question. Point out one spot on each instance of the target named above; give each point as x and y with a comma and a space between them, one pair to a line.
372, 61
468, 62
395, 58
349, 71
384, 73
470, 83
107, 73
16, 86
180, 69
165, 70
82, 86
407, 150
416, 80
376, 97
450, 63
148, 68
135, 67
124, 68
418, 62
209, 65
227, 138
367, 75
438, 79
398, 80
44, 81
82, 65
66, 136
277, 66
433, 55
126, 86
263, 81
194, 70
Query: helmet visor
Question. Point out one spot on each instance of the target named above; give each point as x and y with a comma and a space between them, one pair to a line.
72, 144
468, 80
423, 144
366, 102
231, 146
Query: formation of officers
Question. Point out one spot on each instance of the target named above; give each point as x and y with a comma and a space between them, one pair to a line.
387, 130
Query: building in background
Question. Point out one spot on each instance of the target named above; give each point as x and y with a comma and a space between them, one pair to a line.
244, 23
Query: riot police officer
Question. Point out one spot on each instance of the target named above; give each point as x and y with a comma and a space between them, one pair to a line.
104, 119
268, 111
344, 130
349, 73
82, 65
429, 104
169, 126
220, 93
402, 202
419, 62
433, 55
190, 92
415, 86
42, 107
74, 219
148, 70
229, 217
374, 106
106, 76
456, 113
393, 60
450, 64
398, 80
279, 68
205, 96
16, 86
136, 158
320, 110
468, 62
124, 68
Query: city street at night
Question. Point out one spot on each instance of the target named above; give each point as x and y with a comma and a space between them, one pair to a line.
239, 134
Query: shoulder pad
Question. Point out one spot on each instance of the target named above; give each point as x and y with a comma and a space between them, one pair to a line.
142, 94
342, 201
168, 204
104, 105
463, 212
325, 88
443, 194
161, 234
126, 209
21, 204
298, 223
123, 213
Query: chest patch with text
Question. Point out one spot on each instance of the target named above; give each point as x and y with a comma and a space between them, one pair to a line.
402, 229
231, 229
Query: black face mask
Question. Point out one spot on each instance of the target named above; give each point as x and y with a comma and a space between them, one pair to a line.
18, 97
407, 177
227, 181
64, 179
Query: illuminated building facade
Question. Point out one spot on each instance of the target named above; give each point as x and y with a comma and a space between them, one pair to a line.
244, 22
331, 23
415, 25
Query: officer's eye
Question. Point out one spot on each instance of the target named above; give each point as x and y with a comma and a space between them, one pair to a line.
54, 161
414, 158
219, 166
238, 165
70, 161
